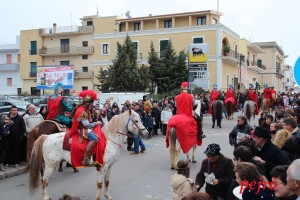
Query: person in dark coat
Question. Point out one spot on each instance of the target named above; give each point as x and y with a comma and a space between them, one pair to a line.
4, 131
216, 171
241, 131
155, 113
44, 112
267, 153
17, 133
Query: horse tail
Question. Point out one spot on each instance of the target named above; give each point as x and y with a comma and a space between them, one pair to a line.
248, 113
173, 137
229, 108
36, 163
30, 141
218, 110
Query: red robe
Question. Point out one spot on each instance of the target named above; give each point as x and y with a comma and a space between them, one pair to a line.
77, 149
229, 96
53, 105
184, 122
268, 94
252, 95
214, 95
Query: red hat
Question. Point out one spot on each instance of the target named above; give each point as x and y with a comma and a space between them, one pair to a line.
184, 86
88, 96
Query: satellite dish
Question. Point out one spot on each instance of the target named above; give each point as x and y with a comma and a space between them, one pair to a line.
128, 14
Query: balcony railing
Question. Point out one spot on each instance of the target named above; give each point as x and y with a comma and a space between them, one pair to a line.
66, 30
73, 50
280, 73
10, 67
32, 74
82, 74
32, 51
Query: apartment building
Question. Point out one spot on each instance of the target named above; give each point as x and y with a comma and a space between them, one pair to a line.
92, 46
289, 80
11, 83
251, 64
274, 59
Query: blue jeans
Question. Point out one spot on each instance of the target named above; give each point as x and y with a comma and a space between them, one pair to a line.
92, 136
137, 141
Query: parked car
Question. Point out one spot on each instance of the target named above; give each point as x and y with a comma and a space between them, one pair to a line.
10, 102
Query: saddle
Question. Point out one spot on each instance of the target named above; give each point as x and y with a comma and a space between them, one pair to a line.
60, 127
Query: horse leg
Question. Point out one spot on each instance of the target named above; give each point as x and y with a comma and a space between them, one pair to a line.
48, 172
188, 156
177, 152
102, 172
213, 121
193, 154
172, 152
106, 181
60, 169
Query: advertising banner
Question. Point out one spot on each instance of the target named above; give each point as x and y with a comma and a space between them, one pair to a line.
198, 53
48, 76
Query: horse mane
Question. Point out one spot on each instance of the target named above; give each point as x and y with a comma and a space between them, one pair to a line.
112, 126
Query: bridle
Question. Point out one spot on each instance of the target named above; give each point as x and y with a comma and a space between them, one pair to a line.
121, 133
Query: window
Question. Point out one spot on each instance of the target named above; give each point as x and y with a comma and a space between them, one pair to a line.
201, 21
64, 46
89, 23
19, 91
85, 43
84, 88
32, 72
65, 62
34, 91
9, 81
135, 46
198, 40
214, 21
33, 48
85, 57
85, 69
8, 59
19, 58
137, 26
163, 45
105, 49
168, 23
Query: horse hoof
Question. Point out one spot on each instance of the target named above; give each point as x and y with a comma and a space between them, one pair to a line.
76, 170
172, 168
60, 170
194, 161
219, 126
203, 136
190, 160
213, 126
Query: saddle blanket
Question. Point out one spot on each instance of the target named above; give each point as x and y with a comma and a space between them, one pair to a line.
77, 148
186, 132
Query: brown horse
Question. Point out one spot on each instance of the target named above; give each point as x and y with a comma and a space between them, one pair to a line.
217, 111
266, 105
229, 109
46, 127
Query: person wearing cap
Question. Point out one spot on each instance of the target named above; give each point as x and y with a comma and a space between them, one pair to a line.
216, 171
267, 153
251, 94
215, 94
57, 106
83, 127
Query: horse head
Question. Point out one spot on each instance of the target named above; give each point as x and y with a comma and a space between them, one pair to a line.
135, 125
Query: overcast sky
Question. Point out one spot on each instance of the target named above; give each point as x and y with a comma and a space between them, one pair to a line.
257, 20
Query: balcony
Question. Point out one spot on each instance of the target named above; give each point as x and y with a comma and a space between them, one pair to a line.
32, 74
81, 74
279, 73
65, 30
230, 56
9, 67
66, 51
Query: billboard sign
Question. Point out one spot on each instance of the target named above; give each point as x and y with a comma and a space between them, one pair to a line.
48, 76
198, 53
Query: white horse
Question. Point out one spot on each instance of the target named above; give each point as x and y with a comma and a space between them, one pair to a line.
49, 148
249, 110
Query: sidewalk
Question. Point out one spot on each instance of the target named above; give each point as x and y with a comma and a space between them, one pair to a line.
12, 171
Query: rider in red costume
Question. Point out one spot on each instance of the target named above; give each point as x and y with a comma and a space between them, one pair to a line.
214, 95
268, 93
82, 125
184, 101
230, 95
251, 94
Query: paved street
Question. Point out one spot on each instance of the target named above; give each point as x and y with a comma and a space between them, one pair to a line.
144, 176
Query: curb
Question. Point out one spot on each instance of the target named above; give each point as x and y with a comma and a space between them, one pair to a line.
12, 172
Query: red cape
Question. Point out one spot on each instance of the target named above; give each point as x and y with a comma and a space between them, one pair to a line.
268, 94
229, 96
77, 149
75, 124
253, 96
53, 106
213, 96
186, 132
184, 102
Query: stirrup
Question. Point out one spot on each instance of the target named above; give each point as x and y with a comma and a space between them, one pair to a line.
86, 161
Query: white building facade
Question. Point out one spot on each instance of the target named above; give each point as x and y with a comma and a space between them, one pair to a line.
11, 82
